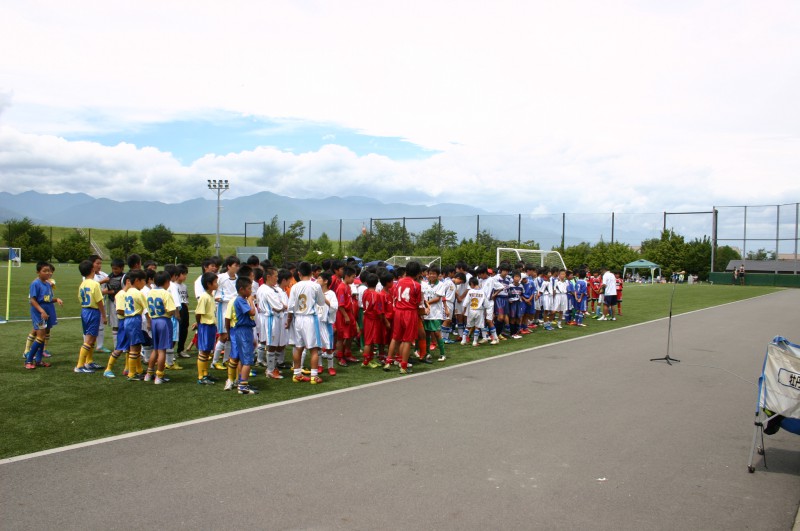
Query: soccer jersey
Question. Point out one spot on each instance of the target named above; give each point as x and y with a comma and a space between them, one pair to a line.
407, 295
269, 300
344, 297
373, 304
619, 283
89, 293
226, 287
42, 292
230, 315
160, 304
327, 312
241, 310
515, 292
135, 303
305, 296
436, 308
206, 308
119, 302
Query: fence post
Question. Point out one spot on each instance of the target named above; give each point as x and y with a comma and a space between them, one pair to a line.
744, 238
713, 236
478, 229
440, 235
796, 214
309, 233
612, 227
563, 229
519, 230
777, 234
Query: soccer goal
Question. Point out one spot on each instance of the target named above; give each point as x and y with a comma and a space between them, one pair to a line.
10, 257
423, 260
534, 257
243, 253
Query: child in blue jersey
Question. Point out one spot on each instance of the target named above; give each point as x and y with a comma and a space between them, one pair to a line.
516, 307
529, 298
92, 314
581, 296
43, 313
501, 319
242, 337
161, 308
570, 315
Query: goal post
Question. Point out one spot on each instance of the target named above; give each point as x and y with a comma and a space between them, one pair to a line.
10, 257
535, 257
429, 261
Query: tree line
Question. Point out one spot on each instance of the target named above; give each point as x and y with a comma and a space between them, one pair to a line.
670, 250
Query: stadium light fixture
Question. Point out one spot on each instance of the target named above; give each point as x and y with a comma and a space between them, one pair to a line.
220, 186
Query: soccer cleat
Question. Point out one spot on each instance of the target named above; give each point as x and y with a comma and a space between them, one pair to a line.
305, 371
109, 374
83, 370
448, 341
442, 357
43, 364
559, 325
405, 371
253, 373
581, 324
261, 363
276, 374
247, 390
300, 378
601, 318
104, 350
427, 359
148, 377
341, 363
464, 342
387, 366
374, 364
494, 342
220, 367
205, 381
228, 385
314, 380
483, 340
94, 366
516, 336
320, 369
32, 366
432, 346
184, 354
135, 378
174, 367
351, 359
613, 319
46, 353
475, 344
158, 381
332, 371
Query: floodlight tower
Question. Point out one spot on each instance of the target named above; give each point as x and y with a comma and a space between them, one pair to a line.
220, 186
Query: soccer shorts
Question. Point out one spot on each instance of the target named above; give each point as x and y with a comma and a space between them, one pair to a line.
619, 296
490, 311
206, 337
610, 300
432, 325
90, 319
373, 331
451, 309
36, 317
405, 326
122, 338
500, 306
559, 302
326, 339
306, 331
162, 333
346, 330
242, 344
581, 306
547, 302
133, 330
273, 330
476, 319
516, 309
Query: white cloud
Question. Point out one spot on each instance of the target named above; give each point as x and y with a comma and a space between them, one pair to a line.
582, 106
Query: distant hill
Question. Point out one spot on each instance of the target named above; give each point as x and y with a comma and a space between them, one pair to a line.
199, 215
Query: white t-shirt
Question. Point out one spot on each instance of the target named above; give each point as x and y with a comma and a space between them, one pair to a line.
304, 298
269, 300
610, 283
226, 290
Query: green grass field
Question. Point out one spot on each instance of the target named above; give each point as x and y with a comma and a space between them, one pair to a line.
51, 407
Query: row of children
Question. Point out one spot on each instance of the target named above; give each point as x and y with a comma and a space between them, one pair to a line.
318, 314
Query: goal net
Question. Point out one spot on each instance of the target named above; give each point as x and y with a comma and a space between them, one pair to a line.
535, 257
422, 260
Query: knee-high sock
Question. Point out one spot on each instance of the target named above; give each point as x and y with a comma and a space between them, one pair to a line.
233, 369
217, 351
83, 355
29, 342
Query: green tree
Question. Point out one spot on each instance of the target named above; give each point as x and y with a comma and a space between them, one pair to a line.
385, 241
271, 237
121, 245
697, 257
435, 237
761, 254
30, 238
73, 248
283, 247
177, 252
471, 252
155, 237
320, 249
668, 251
197, 241
724, 255
577, 255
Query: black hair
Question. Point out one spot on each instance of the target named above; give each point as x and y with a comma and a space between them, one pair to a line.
348, 271
327, 276
134, 260
252, 260
386, 277
182, 269
208, 262
41, 265
118, 262
258, 274
171, 270
372, 280
94, 257
462, 276
270, 271
284, 274
266, 264
207, 279
232, 260
149, 263
326, 264
473, 281
434, 269
412, 269
243, 283
245, 271
149, 274
85, 268
161, 278
136, 274
516, 273
304, 269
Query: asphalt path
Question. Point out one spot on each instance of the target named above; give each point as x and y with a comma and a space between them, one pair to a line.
583, 434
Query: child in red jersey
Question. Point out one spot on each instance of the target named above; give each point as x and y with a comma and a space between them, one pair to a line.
620, 284
375, 323
407, 296
346, 326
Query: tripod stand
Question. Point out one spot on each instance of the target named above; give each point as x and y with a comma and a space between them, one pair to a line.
669, 332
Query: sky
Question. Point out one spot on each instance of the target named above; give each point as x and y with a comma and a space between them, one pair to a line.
522, 106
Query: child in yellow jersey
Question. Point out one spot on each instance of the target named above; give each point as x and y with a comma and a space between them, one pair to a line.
135, 305
121, 344
206, 327
92, 313
161, 308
